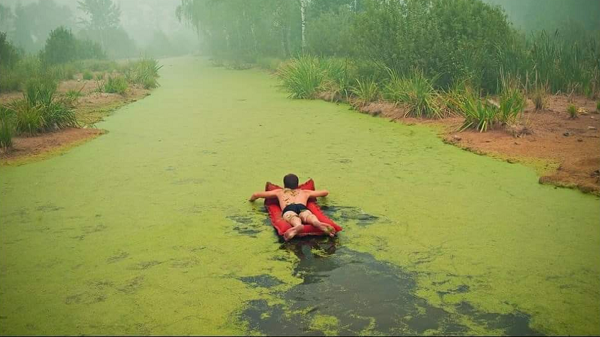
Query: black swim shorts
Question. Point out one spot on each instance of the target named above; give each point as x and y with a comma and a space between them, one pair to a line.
296, 208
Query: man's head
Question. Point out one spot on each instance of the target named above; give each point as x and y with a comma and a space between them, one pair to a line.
290, 181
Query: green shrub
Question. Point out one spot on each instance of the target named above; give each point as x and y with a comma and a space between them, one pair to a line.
29, 119
598, 106
13, 79
7, 128
303, 77
62, 47
143, 72
479, 114
9, 54
416, 93
87, 75
572, 110
116, 85
57, 115
40, 90
451, 38
339, 74
539, 96
512, 101
9, 80
365, 91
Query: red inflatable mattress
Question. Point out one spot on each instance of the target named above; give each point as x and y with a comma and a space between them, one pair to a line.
282, 226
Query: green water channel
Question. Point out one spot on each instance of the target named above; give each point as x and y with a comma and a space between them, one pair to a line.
147, 229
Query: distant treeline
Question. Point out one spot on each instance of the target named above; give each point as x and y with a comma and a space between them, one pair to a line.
449, 41
28, 26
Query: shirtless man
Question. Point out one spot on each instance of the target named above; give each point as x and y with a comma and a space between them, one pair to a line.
293, 203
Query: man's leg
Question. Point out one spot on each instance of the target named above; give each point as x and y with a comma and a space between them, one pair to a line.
293, 219
308, 217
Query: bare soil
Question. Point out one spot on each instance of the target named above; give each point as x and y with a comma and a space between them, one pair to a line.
564, 151
26, 148
91, 108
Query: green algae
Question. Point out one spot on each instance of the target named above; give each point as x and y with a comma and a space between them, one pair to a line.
147, 230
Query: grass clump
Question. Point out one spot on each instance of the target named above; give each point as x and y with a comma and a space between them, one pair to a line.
41, 110
116, 85
598, 106
29, 119
339, 74
479, 114
143, 72
512, 101
365, 91
539, 95
416, 93
303, 77
572, 110
7, 128
88, 76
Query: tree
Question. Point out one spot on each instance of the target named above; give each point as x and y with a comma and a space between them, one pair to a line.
103, 16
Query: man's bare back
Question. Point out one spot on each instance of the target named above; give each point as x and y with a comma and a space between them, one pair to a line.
293, 203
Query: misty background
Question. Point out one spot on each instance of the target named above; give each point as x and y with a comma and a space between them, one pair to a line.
145, 27
151, 28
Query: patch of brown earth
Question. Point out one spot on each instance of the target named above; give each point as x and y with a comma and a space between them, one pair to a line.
90, 109
565, 151
29, 148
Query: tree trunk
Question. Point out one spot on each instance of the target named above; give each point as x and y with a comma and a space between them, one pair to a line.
303, 18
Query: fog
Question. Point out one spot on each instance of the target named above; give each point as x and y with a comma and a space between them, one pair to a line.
147, 27
150, 27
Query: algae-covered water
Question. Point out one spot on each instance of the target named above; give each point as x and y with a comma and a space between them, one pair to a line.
147, 230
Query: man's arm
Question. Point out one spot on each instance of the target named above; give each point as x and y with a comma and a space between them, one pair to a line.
322, 193
267, 194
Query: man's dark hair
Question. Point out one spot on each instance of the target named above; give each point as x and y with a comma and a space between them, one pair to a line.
290, 181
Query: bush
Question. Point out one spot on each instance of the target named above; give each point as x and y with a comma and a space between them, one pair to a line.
116, 85
512, 101
9, 54
143, 72
598, 106
366, 91
572, 110
327, 35
40, 90
339, 74
455, 39
539, 96
87, 75
29, 119
479, 114
7, 128
416, 93
303, 77
62, 47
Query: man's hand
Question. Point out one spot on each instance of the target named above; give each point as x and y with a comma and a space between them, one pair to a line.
257, 195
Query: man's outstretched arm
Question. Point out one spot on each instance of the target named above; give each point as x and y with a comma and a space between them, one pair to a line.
322, 193
267, 194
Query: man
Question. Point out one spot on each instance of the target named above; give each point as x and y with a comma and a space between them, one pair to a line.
292, 201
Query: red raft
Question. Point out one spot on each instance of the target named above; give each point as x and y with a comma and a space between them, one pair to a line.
282, 226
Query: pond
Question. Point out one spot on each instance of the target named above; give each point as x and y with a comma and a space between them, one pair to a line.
147, 229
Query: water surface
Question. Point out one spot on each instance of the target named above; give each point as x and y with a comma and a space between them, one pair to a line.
147, 230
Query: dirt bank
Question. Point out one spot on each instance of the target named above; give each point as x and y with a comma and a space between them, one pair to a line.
564, 151
93, 106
